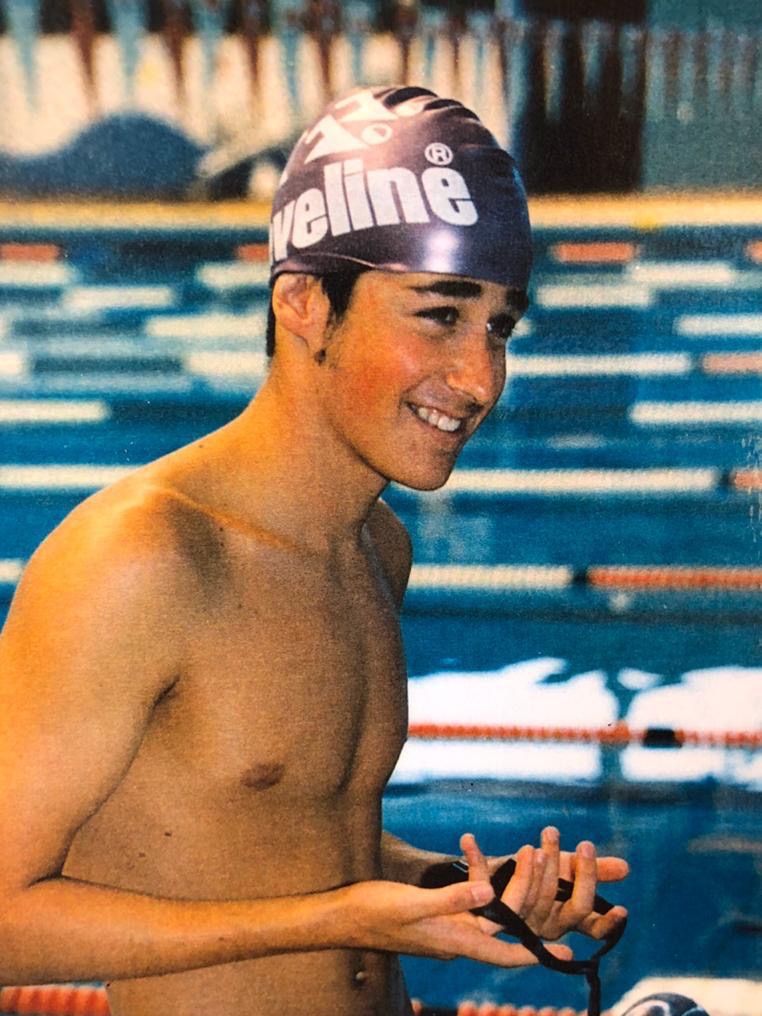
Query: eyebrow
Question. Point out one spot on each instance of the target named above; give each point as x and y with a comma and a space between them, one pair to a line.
457, 289
461, 289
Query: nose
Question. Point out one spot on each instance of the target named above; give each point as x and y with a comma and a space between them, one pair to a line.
476, 369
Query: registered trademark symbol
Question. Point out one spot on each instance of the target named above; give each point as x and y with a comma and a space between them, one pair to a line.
438, 153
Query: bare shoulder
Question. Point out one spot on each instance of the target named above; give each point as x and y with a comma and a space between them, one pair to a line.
126, 534
95, 637
391, 542
115, 572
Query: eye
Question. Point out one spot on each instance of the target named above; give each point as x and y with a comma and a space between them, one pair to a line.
500, 328
446, 316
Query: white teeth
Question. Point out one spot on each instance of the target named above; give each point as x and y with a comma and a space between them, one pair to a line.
439, 420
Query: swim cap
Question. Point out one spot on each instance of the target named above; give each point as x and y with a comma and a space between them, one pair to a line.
666, 1004
401, 180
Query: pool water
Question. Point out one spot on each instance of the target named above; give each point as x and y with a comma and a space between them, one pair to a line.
694, 894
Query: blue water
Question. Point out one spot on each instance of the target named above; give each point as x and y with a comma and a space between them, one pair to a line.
694, 892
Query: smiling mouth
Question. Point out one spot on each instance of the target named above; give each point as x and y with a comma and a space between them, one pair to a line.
437, 419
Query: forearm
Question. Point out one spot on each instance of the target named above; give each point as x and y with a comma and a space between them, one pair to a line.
402, 862
64, 930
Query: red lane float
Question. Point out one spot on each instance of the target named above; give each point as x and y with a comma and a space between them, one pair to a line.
30, 252
732, 363
746, 479
673, 577
470, 1008
55, 1000
596, 252
618, 734
252, 252
91, 1000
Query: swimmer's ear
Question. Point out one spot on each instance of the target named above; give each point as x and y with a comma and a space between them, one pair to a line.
302, 308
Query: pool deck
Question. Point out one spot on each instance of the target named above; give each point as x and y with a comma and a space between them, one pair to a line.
644, 211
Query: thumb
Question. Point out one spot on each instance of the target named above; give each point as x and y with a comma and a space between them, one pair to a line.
454, 899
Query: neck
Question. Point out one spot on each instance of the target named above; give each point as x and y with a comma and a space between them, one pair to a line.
283, 468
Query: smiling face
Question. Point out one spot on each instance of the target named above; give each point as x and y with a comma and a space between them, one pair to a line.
413, 368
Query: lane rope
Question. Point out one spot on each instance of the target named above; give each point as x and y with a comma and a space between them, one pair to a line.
616, 735
91, 1000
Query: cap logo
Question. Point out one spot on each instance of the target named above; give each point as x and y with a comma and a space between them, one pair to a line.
353, 198
438, 153
332, 137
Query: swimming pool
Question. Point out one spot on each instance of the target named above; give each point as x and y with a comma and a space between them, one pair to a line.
606, 519
692, 895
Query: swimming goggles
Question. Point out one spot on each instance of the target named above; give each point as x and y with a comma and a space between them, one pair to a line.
439, 875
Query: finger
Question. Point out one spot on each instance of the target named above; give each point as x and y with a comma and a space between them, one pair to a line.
517, 893
582, 899
460, 897
550, 847
599, 926
478, 868
497, 951
539, 863
612, 869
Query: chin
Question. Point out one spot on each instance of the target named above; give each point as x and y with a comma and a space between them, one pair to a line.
429, 480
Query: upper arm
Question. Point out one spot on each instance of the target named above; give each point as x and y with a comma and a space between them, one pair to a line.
88, 647
391, 542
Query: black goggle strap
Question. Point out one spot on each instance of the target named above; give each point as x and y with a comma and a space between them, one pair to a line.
499, 912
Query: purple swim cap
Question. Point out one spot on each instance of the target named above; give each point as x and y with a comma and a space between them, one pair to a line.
401, 180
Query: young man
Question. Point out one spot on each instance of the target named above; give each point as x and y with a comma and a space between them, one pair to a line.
202, 679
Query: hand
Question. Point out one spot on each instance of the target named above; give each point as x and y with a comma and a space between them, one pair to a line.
433, 922
537, 886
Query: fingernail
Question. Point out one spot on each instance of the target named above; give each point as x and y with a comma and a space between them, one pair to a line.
587, 849
550, 834
481, 893
539, 859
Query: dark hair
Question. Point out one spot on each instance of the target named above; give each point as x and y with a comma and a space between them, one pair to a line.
337, 286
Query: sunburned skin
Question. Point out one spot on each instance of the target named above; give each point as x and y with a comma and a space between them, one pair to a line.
206, 688
261, 769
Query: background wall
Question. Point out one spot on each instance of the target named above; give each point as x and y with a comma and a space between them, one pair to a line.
590, 95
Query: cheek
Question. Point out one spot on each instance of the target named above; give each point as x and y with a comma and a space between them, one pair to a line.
382, 377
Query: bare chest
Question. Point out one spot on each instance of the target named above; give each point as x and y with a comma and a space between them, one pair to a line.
295, 682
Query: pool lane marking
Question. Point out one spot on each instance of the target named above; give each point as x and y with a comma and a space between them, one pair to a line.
92, 299
674, 577
503, 578
583, 481
30, 252
673, 275
570, 295
493, 577
594, 252
259, 252
224, 276
13, 364
53, 477
33, 411
36, 275
476, 482
10, 571
17, 362
226, 363
196, 327
695, 413
732, 363
620, 734
587, 365
719, 325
